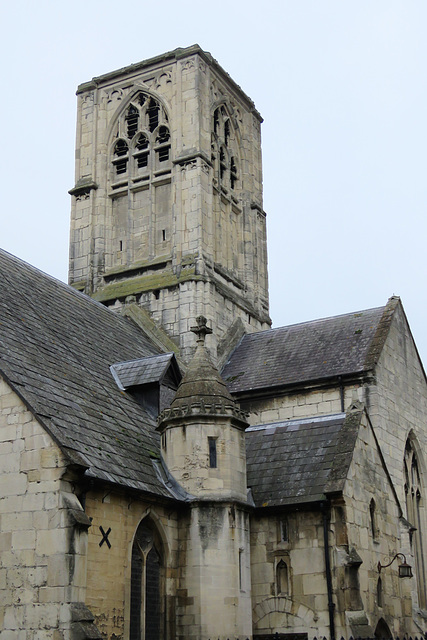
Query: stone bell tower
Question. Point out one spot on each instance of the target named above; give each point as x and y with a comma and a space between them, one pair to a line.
167, 206
203, 446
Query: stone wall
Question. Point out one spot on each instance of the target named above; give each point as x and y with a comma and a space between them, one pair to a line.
302, 404
43, 549
296, 539
214, 597
368, 530
300, 604
109, 567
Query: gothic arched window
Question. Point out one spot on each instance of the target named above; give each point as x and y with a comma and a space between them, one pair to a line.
224, 151
142, 147
415, 513
146, 578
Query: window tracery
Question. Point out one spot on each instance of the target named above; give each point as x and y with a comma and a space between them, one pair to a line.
224, 151
142, 146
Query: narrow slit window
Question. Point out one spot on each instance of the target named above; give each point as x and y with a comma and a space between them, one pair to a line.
373, 518
163, 235
212, 453
284, 532
241, 569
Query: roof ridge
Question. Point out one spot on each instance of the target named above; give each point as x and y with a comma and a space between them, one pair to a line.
381, 333
306, 322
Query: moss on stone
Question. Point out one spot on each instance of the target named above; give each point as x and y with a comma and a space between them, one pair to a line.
149, 282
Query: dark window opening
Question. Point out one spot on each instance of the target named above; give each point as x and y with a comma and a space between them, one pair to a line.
156, 294
142, 160
226, 132
142, 142
163, 135
141, 99
284, 532
216, 120
132, 117
153, 115
121, 245
120, 151
212, 453
163, 154
222, 165
233, 173
121, 148
163, 235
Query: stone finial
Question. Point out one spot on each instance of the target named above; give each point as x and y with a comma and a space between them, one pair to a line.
201, 330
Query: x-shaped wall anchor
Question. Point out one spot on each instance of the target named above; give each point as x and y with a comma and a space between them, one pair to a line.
105, 537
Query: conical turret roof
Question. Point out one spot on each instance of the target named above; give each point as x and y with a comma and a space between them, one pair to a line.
202, 391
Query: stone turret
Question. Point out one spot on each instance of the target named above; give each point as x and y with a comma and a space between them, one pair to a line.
203, 446
203, 439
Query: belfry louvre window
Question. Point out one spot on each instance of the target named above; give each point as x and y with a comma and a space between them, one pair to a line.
142, 142
224, 151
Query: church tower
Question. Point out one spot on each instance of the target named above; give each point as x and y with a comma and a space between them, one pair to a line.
167, 207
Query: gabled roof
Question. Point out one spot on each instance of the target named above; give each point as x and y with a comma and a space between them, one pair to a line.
309, 352
144, 370
300, 461
56, 347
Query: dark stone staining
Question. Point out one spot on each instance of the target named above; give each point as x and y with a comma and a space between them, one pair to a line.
211, 522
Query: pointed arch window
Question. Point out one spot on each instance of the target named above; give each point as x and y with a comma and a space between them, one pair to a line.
142, 148
415, 515
146, 579
224, 151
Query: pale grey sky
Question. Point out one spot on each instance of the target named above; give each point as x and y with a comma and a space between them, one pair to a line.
341, 86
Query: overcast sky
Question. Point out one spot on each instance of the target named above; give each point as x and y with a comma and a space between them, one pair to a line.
342, 89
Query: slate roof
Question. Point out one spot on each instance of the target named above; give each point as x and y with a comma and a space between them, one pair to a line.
141, 371
299, 461
310, 351
56, 347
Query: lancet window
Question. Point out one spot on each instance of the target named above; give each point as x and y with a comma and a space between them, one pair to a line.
146, 585
415, 515
142, 143
224, 151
